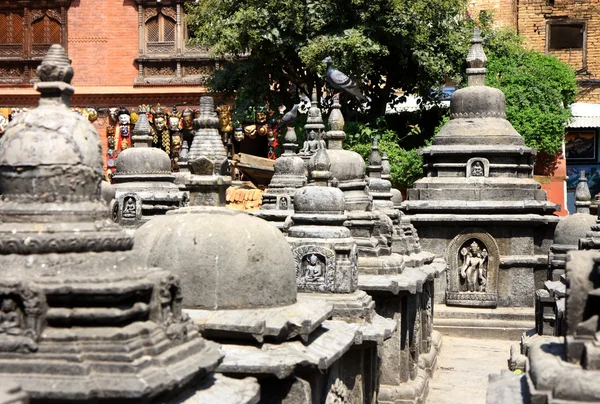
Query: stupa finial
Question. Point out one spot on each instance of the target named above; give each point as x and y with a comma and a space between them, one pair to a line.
55, 74
476, 60
141, 132
318, 168
583, 196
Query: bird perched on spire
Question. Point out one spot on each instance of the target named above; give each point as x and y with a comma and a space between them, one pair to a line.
289, 117
340, 81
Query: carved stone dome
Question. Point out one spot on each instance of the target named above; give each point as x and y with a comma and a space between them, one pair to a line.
142, 161
346, 165
51, 156
226, 259
289, 166
321, 200
573, 227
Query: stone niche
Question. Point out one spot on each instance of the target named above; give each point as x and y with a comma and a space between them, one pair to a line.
473, 263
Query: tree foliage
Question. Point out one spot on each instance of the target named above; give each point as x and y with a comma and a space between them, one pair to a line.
406, 164
538, 89
279, 45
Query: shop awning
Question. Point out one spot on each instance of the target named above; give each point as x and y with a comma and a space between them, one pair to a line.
584, 115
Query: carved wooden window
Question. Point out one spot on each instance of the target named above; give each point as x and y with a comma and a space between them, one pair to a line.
11, 34
45, 30
161, 30
27, 29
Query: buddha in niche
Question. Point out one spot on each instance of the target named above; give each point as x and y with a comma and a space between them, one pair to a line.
10, 320
314, 269
129, 208
477, 169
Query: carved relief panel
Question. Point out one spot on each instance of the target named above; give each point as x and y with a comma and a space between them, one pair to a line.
315, 268
22, 311
473, 262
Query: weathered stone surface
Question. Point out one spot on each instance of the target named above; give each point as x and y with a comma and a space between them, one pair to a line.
224, 390
199, 240
479, 188
143, 183
78, 311
11, 393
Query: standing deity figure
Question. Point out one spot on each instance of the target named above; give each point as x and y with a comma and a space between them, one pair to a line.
474, 269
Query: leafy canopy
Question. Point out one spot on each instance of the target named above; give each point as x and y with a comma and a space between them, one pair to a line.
385, 45
538, 89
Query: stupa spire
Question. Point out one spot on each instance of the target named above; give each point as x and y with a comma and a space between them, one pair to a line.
476, 60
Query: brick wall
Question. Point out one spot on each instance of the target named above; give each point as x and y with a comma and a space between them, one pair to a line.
103, 42
533, 17
504, 11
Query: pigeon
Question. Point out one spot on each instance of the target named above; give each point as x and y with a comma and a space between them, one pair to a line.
340, 81
289, 117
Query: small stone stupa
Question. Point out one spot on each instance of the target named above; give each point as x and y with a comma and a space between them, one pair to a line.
348, 172
143, 182
550, 304
239, 286
326, 261
277, 200
82, 320
206, 159
563, 369
409, 357
478, 205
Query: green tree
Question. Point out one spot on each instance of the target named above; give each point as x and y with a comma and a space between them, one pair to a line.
278, 45
538, 89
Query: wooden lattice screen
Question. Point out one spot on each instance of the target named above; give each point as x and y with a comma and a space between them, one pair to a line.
46, 30
11, 28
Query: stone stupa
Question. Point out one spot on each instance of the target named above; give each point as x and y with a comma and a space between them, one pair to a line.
208, 157
278, 198
143, 183
326, 262
82, 319
239, 285
478, 205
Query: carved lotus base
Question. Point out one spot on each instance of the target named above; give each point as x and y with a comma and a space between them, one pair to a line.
411, 392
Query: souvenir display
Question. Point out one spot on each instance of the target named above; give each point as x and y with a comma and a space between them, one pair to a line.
162, 137
175, 126
238, 134
92, 114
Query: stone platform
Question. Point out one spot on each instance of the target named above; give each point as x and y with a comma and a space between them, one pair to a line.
502, 323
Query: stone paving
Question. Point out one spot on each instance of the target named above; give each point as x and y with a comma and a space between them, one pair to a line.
463, 368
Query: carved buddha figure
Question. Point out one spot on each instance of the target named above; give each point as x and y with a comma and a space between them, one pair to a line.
129, 208
314, 269
10, 320
477, 169
473, 270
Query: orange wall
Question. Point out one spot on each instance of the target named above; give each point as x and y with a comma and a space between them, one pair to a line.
103, 42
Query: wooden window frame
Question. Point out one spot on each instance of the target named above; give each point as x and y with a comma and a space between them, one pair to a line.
31, 54
568, 21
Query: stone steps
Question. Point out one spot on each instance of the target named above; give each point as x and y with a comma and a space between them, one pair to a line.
505, 323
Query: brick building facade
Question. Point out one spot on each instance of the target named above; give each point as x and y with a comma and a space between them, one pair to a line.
124, 52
